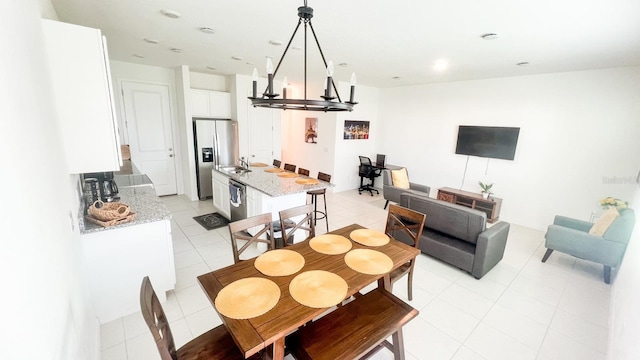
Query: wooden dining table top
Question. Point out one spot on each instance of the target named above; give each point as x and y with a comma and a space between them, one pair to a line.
255, 334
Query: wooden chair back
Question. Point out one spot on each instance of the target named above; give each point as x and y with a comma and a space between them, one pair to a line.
290, 167
410, 223
306, 223
324, 177
156, 320
276, 163
302, 171
238, 231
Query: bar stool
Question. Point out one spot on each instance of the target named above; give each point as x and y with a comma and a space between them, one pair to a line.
276, 163
302, 171
290, 167
314, 200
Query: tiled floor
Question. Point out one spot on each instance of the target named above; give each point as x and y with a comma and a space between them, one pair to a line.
522, 309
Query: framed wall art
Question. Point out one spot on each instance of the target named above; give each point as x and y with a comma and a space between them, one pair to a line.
354, 130
311, 130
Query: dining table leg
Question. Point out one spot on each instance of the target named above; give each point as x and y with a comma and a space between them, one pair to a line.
385, 282
278, 349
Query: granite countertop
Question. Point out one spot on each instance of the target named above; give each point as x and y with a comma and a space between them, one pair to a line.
271, 184
141, 200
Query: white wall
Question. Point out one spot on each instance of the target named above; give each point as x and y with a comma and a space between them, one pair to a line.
46, 311
576, 129
208, 81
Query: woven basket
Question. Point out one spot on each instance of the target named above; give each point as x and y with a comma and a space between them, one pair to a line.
108, 211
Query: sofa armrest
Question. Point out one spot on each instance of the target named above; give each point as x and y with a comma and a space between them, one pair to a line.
576, 224
584, 245
421, 188
490, 248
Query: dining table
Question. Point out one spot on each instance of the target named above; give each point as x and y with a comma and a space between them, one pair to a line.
258, 333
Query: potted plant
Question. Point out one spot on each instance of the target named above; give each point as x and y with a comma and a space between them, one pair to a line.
486, 189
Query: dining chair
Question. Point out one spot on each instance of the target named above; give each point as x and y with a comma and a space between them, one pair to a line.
239, 233
276, 163
215, 344
290, 167
302, 171
306, 223
314, 200
405, 224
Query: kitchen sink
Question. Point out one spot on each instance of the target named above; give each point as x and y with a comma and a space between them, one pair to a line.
232, 169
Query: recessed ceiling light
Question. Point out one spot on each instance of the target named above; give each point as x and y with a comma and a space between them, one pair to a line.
396, 77
151, 41
250, 63
238, 58
343, 64
524, 63
489, 36
295, 47
138, 56
172, 14
176, 50
211, 68
441, 65
275, 42
207, 30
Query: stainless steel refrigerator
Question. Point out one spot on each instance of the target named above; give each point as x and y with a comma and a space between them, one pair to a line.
216, 143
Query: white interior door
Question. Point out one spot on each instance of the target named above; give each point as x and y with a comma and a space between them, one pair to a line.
148, 123
261, 135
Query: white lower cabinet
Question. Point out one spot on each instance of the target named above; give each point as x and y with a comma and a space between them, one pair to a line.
221, 197
116, 260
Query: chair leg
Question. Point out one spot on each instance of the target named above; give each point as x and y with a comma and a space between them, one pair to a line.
410, 285
386, 204
398, 345
546, 255
607, 274
326, 214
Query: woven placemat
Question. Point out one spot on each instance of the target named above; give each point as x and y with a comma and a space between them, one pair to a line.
273, 170
370, 262
259, 164
368, 237
247, 298
318, 289
288, 175
307, 181
279, 262
330, 244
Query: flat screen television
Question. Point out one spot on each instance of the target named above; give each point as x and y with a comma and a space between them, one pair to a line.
487, 141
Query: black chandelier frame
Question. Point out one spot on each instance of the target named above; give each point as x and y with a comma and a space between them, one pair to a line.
271, 100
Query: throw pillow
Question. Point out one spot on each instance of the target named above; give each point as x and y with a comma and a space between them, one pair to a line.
400, 178
603, 223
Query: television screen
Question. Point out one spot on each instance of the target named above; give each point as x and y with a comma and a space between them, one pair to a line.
487, 141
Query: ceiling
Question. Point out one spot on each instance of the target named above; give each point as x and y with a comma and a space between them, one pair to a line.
386, 43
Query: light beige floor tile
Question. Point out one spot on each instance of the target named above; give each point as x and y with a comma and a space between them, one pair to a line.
190, 230
111, 333
449, 319
181, 332
527, 306
187, 258
558, 346
486, 288
591, 335
466, 300
116, 352
424, 341
187, 276
465, 354
203, 321
208, 238
171, 307
180, 245
492, 344
517, 326
587, 302
192, 299
142, 347
134, 325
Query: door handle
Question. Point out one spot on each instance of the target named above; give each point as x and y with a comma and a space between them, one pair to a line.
170, 155
170, 149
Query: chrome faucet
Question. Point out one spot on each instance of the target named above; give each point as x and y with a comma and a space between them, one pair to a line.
244, 162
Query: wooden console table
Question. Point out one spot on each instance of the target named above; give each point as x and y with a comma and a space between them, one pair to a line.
471, 200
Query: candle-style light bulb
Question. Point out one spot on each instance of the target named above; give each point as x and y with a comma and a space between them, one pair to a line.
327, 92
255, 82
353, 87
270, 76
284, 87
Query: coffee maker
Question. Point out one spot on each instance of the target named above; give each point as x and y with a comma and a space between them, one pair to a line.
107, 186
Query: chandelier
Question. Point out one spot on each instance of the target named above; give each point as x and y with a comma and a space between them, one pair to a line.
271, 100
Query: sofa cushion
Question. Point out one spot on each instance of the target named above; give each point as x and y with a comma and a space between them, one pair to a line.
458, 253
454, 220
603, 223
400, 178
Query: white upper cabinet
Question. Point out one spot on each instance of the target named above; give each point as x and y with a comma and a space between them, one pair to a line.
213, 104
81, 82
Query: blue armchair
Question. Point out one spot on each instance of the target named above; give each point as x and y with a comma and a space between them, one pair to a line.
572, 237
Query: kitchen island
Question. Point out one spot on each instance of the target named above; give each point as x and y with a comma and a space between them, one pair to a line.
266, 192
116, 258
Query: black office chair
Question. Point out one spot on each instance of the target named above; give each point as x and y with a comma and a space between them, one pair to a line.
368, 171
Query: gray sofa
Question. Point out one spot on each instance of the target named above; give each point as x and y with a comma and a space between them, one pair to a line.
392, 193
457, 235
